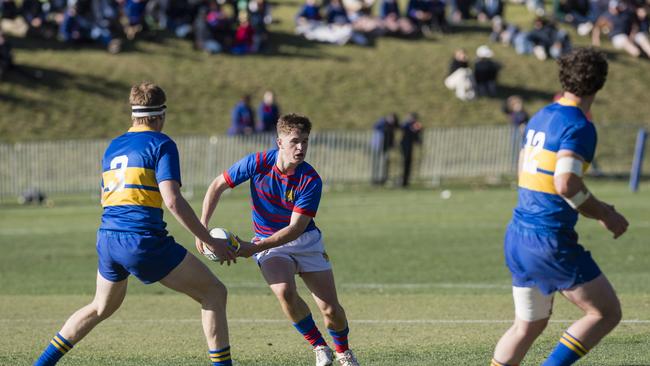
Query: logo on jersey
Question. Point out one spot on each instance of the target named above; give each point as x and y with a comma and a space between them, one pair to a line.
289, 196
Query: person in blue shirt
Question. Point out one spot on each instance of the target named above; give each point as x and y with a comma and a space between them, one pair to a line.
268, 113
141, 170
242, 117
285, 193
541, 246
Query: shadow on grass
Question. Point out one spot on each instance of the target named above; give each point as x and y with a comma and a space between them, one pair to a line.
504, 91
284, 44
54, 80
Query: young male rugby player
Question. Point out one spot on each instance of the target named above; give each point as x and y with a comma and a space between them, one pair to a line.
541, 246
141, 171
286, 192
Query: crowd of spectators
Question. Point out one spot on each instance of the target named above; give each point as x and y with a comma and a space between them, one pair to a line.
109, 23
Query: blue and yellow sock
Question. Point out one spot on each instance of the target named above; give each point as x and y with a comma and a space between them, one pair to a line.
567, 351
497, 363
308, 329
340, 339
57, 348
221, 357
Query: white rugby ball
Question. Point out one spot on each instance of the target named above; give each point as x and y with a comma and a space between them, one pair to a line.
220, 233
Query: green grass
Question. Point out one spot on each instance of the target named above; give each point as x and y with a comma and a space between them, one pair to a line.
411, 269
84, 90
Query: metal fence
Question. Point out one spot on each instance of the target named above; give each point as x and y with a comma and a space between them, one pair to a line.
338, 156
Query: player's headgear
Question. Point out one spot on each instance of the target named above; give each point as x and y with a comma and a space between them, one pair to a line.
147, 111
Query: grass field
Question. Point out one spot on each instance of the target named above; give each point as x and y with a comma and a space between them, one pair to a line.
83, 92
422, 280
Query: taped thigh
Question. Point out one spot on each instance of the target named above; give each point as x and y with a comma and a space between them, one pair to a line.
531, 304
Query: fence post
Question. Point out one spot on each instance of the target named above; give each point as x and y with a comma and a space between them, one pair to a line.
635, 174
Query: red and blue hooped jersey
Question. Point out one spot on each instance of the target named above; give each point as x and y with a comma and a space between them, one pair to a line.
559, 126
275, 196
133, 166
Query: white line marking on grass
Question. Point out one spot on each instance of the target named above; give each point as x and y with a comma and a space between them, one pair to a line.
357, 321
391, 286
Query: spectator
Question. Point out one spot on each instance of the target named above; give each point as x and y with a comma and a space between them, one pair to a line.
486, 72
6, 58
243, 117
411, 135
459, 61
383, 140
135, 12
420, 13
360, 14
461, 78
178, 17
488, 10
514, 108
36, 14
260, 16
620, 20
544, 40
212, 29
461, 10
392, 20
574, 12
268, 112
244, 36
310, 25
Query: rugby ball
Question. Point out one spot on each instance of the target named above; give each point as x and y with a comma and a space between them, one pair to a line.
220, 233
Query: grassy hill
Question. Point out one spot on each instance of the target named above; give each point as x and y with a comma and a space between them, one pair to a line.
83, 91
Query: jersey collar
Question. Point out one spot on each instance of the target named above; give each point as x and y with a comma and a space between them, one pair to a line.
141, 128
567, 102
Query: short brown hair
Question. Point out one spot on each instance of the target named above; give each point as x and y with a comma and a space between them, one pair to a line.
147, 94
292, 121
583, 71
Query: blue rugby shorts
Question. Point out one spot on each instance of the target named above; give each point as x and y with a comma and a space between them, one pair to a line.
148, 257
547, 259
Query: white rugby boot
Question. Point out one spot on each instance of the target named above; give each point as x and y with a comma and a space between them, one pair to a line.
347, 358
324, 356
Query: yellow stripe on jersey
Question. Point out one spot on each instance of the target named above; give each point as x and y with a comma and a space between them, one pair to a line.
138, 176
132, 196
539, 182
546, 159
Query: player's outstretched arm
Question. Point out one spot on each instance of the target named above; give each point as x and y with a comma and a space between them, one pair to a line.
296, 227
570, 185
182, 211
211, 199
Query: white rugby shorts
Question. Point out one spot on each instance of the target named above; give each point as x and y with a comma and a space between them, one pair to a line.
307, 253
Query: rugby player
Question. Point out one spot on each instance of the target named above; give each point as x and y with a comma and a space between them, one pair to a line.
141, 170
286, 192
541, 246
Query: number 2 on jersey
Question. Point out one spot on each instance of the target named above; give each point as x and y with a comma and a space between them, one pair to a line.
117, 185
534, 145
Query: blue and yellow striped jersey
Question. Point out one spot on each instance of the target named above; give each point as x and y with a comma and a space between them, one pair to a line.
559, 126
133, 165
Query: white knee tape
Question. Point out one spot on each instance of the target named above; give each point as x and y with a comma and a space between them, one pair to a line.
531, 304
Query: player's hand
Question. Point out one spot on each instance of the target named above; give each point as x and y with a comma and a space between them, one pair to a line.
246, 249
221, 248
614, 221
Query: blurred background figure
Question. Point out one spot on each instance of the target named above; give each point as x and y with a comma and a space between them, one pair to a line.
460, 78
383, 140
268, 113
411, 135
486, 72
6, 57
242, 117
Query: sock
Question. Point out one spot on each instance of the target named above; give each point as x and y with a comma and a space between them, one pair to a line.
308, 329
57, 348
340, 339
497, 363
220, 357
567, 351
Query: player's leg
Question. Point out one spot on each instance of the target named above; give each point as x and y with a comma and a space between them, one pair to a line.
108, 298
602, 313
193, 278
532, 312
279, 273
323, 289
